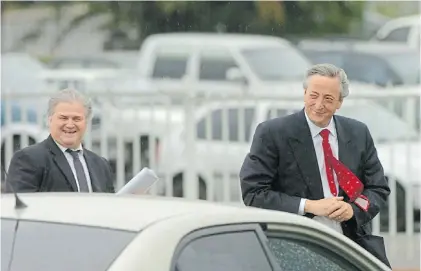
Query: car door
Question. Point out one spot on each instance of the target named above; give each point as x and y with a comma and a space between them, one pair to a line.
301, 249
224, 248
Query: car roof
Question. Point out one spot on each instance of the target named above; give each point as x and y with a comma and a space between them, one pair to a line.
128, 212
371, 47
212, 39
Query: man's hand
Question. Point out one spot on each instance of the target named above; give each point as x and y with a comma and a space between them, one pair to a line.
344, 213
323, 207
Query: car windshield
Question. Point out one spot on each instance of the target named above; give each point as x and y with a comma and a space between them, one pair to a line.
406, 65
375, 116
277, 63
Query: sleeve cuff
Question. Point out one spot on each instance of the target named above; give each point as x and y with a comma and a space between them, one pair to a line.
362, 202
301, 207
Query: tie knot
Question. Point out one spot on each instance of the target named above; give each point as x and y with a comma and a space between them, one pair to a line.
325, 134
73, 153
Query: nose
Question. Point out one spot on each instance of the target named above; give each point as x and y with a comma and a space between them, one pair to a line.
69, 123
319, 104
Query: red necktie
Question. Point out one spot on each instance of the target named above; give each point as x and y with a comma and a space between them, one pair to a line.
347, 180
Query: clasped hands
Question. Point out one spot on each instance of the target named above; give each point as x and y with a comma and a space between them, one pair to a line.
334, 208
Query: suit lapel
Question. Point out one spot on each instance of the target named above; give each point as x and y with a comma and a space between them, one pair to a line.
305, 155
90, 162
344, 146
61, 162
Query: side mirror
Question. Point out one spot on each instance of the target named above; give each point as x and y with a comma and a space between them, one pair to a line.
235, 74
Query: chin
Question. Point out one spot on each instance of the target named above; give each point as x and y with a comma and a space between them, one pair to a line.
319, 120
69, 141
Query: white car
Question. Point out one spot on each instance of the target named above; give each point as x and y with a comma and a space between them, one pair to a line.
220, 151
74, 231
403, 29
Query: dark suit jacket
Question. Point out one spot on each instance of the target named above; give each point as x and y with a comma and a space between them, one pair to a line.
42, 167
281, 168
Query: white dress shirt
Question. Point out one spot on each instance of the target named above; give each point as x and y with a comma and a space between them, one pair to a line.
317, 141
72, 166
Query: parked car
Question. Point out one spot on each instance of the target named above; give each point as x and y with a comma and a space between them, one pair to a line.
223, 141
380, 63
210, 61
109, 232
405, 30
225, 62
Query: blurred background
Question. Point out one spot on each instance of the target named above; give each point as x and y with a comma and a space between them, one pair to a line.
180, 86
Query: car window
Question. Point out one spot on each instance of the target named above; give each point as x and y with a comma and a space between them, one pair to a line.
214, 65
276, 63
294, 255
399, 34
369, 69
234, 251
171, 66
50, 246
233, 124
7, 231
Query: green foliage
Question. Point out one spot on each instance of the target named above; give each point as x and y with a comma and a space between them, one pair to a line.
324, 17
311, 18
274, 17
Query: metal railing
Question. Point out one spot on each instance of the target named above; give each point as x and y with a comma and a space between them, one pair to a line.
198, 143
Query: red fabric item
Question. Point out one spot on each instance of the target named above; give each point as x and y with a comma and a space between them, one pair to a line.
347, 180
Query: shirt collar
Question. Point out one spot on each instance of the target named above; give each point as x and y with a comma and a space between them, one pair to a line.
63, 149
315, 130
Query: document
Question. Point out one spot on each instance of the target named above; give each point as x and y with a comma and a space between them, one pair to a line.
140, 183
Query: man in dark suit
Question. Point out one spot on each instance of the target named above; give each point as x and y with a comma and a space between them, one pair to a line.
317, 164
60, 163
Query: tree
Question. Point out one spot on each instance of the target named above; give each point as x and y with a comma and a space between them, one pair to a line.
279, 18
314, 18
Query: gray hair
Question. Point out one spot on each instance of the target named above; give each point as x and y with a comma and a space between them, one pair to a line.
69, 95
329, 70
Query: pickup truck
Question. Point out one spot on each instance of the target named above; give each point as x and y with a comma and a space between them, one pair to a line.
211, 61
221, 62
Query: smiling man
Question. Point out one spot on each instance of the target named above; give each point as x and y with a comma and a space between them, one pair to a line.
318, 164
61, 163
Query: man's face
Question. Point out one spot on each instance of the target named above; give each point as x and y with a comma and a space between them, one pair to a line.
68, 124
322, 99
